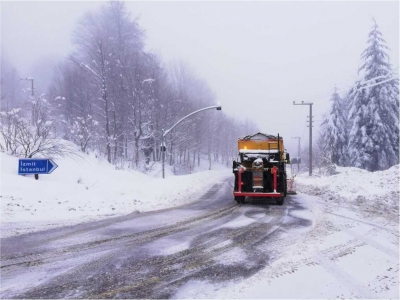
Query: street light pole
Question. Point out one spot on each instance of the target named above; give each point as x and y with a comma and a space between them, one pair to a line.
163, 148
310, 138
165, 132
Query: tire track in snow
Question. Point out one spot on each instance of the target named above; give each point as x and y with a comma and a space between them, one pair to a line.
74, 230
346, 279
327, 257
367, 241
192, 260
137, 238
396, 233
203, 257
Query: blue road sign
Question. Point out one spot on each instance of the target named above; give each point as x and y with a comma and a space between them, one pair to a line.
36, 166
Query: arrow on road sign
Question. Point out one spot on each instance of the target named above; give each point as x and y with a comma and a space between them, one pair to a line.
36, 166
52, 166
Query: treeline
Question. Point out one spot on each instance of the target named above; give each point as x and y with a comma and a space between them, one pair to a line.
113, 96
362, 126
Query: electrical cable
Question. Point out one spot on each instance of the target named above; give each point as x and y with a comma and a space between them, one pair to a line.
392, 73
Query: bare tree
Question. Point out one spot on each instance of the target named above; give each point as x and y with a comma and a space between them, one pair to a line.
32, 134
112, 81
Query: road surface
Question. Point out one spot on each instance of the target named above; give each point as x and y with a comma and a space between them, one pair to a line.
158, 254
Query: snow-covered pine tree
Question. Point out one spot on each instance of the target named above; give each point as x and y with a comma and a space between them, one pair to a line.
335, 136
374, 110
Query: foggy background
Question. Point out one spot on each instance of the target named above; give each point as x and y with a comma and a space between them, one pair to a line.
258, 57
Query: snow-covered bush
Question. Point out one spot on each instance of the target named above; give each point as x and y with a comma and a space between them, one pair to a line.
31, 132
376, 192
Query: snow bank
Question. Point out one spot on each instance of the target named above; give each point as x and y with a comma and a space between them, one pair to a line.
377, 191
89, 188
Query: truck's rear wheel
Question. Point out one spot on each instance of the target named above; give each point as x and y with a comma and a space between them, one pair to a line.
280, 200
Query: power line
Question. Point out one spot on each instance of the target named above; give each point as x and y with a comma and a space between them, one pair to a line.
392, 73
310, 120
378, 83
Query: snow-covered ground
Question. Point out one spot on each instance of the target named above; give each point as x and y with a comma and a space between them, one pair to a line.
350, 251
344, 254
377, 192
88, 188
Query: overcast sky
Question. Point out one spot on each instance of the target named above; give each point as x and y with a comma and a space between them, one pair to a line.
258, 57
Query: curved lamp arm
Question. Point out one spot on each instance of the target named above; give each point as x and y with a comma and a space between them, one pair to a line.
218, 107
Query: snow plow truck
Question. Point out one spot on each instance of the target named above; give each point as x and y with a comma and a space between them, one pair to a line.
261, 168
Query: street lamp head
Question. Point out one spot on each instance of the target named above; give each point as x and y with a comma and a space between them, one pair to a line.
219, 107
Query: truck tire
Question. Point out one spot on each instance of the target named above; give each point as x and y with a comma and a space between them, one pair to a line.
240, 199
285, 192
284, 181
279, 201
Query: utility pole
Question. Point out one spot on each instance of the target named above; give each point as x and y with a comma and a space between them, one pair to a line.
298, 152
310, 104
33, 94
32, 89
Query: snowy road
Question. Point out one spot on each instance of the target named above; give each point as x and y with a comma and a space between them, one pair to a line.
210, 248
